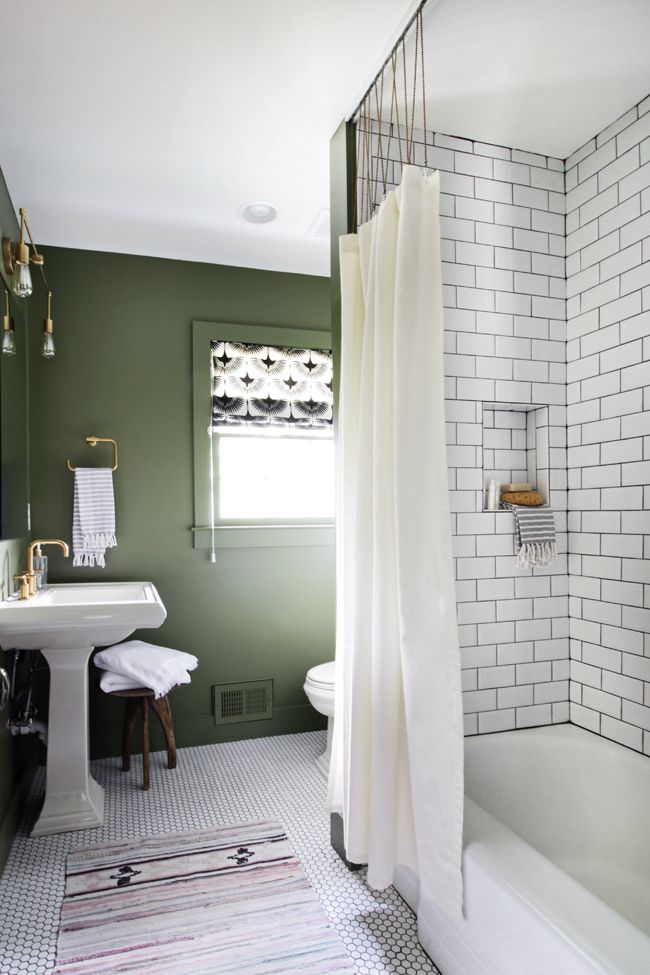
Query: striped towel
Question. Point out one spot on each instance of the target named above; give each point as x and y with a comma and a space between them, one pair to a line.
534, 535
93, 519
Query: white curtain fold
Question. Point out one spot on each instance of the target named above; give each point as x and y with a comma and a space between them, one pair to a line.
397, 766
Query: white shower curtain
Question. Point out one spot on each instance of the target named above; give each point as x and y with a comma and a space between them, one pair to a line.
397, 767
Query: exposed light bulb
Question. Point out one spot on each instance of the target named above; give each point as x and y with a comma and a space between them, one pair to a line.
8, 333
47, 348
22, 281
9, 342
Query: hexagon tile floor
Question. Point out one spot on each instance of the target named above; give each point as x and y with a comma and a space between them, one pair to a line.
212, 785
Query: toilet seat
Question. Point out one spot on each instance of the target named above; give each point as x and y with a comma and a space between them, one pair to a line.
322, 675
319, 688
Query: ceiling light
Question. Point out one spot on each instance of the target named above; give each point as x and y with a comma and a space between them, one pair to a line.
258, 212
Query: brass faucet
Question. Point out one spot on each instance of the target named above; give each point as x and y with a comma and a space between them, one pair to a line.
30, 575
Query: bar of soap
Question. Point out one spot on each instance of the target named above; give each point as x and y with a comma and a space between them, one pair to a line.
516, 487
528, 499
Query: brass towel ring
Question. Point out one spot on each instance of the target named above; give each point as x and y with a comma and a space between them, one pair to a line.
92, 442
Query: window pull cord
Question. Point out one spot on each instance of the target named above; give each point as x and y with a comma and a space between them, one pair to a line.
212, 556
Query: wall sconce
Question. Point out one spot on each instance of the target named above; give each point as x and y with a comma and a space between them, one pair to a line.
16, 259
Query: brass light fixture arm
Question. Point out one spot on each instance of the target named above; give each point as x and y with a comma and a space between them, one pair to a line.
37, 258
92, 442
7, 320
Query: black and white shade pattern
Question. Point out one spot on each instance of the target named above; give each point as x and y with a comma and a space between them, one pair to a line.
270, 386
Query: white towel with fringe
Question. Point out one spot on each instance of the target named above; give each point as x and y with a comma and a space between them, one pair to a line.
145, 665
534, 535
93, 518
109, 682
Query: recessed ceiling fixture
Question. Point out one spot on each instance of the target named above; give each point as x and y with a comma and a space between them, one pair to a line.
258, 212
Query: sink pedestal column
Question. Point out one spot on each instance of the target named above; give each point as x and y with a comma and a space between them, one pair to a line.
73, 800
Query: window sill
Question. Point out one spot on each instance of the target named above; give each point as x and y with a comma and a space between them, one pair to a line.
264, 536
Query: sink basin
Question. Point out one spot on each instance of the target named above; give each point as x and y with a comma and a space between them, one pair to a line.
106, 592
66, 623
79, 615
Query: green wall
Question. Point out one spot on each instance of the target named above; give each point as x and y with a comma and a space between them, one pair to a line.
123, 370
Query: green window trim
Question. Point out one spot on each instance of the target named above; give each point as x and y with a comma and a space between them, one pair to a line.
259, 534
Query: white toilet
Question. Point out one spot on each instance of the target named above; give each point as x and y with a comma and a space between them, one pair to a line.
319, 688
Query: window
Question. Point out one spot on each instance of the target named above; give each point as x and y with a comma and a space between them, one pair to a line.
283, 478
264, 452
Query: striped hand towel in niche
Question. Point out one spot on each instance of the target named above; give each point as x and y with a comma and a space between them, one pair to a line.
534, 535
93, 518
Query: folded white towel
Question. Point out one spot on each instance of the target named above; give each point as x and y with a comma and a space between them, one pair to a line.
93, 517
115, 682
159, 668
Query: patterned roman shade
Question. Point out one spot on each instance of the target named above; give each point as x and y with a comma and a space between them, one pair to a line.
270, 386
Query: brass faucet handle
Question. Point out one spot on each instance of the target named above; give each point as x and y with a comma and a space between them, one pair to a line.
24, 591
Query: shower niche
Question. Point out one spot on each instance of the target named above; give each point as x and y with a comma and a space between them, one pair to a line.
516, 446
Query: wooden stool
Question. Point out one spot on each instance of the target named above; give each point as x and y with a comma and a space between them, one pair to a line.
141, 699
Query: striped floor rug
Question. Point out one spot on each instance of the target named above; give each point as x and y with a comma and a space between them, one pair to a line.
229, 900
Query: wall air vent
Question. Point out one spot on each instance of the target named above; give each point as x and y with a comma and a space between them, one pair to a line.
250, 700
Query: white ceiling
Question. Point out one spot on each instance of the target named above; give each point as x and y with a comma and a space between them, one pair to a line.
140, 126
541, 75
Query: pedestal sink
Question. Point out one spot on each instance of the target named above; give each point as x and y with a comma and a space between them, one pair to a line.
66, 623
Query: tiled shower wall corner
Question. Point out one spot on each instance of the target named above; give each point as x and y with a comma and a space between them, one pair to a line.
608, 281
503, 236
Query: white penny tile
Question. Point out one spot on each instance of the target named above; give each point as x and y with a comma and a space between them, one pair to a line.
214, 785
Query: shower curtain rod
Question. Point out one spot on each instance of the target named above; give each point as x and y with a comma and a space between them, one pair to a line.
373, 167
388, 58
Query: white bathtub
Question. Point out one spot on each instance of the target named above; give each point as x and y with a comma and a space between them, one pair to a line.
556, 860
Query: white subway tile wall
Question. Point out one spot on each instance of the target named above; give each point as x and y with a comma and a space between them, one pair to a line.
608, 375
503, 240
